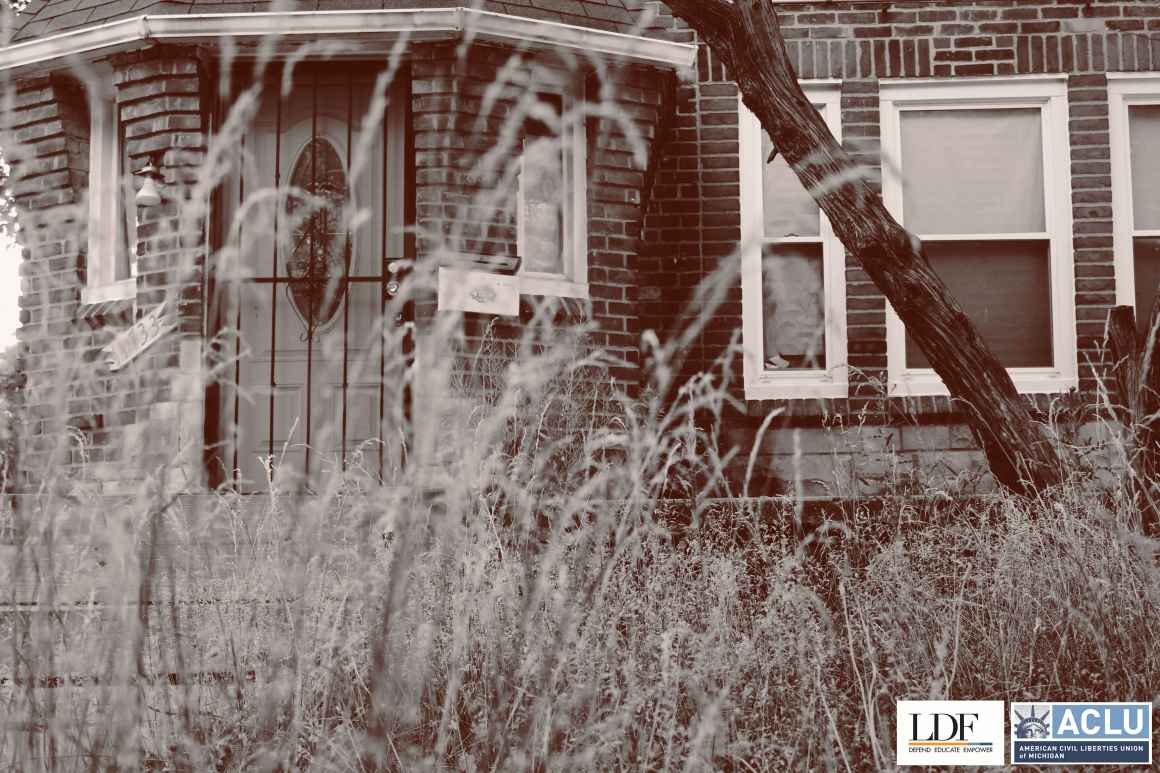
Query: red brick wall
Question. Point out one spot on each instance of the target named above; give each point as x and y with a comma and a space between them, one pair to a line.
450, 139
100, 429
135, 419
694, 217
160, 94
694, 221
47, 144
689, 181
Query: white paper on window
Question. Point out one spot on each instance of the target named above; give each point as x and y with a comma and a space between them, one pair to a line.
542, 188
789, 208
973, 171
1144, 139
1005, 289
127, 245
793, 291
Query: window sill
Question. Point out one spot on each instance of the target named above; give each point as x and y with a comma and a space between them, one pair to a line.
546, 284
1027, 381
807, 386
122, 290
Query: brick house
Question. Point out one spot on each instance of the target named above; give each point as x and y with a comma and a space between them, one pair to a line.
1012, 136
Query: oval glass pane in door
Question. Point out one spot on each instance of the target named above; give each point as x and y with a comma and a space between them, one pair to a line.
317, 255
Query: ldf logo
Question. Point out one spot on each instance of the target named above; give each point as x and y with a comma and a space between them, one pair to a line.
943, 727
950, 733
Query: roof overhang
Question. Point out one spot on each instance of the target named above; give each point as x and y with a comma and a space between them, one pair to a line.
353, 33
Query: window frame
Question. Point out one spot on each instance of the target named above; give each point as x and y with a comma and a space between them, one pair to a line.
762, 384
106, 204
572, 282
1049, 95
1126, 90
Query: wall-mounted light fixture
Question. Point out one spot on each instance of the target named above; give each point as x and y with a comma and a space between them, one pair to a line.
149, 195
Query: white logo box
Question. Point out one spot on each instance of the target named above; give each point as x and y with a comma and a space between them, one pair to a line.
1081, 733
951, 733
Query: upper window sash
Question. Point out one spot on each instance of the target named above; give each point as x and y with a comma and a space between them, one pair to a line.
1048, 94
762, 383
110, 265
571, 141
1125, 91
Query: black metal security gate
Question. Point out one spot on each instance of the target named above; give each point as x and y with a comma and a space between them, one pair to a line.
314, 252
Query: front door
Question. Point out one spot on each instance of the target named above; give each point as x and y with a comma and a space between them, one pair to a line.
314, 220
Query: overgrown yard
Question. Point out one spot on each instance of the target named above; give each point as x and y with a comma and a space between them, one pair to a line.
553, 599
582, 559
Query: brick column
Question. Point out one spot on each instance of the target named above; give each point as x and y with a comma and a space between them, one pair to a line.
1091, 197
865, 304
619, 170
159, 92
46, 142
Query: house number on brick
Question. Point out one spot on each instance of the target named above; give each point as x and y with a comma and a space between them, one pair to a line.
145, 332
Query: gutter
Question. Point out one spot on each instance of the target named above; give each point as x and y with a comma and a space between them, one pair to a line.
368, 32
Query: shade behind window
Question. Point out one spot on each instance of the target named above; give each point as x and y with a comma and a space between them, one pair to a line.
973, 171
1005, 288
1144, 136
789, 208
1147, 265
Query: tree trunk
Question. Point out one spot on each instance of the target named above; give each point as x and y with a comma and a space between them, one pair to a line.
746, 36
1136, 370
1125, 352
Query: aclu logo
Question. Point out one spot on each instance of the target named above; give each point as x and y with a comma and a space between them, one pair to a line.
1081, 733
950, 733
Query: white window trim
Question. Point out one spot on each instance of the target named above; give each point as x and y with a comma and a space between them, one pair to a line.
104, 204
573, 282
762, 384
1049, 94
1126, 90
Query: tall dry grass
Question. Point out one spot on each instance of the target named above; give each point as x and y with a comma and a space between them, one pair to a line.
551, 605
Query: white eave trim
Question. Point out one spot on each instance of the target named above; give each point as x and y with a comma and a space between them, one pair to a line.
1132, 76
363, 27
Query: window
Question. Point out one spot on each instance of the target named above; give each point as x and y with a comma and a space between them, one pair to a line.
979, 170
1134, 103
551, 207
112, 228
793, 271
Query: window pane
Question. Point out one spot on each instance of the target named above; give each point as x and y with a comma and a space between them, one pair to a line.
789, 208
317, 252
973, 171
1147, 278
542, 192
1144, 134
127, 236
795, 307
1005, 288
